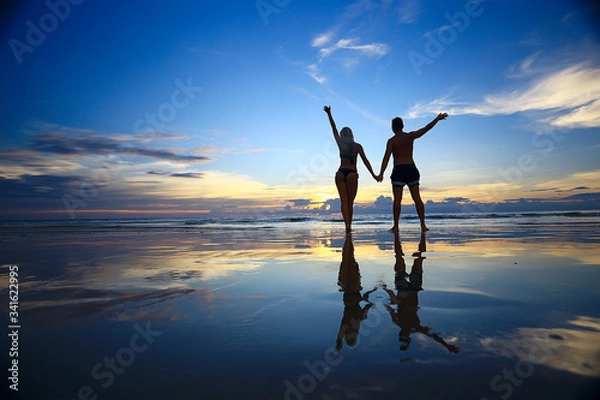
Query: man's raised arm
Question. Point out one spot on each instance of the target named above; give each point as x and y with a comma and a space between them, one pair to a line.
430, 125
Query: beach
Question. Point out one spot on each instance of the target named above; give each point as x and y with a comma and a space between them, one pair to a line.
481, 307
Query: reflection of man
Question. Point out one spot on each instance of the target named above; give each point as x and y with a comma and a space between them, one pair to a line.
349, 283
407, 297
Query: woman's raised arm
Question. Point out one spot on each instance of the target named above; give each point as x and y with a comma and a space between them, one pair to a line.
336, 134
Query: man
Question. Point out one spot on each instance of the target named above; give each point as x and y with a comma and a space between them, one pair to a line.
405, 171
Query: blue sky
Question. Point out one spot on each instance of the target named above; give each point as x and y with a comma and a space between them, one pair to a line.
184, 107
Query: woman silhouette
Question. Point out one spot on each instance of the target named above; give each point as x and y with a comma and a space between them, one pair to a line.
346, 177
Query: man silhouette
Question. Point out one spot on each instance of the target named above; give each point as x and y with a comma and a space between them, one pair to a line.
405, 171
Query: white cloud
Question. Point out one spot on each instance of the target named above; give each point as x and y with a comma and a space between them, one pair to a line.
572, 87
314, 72
574, 91
352, 45
371, 50
442, 28
359, 16
524, 68
443, 104
359, 9
587, 116
408, 11
322, 39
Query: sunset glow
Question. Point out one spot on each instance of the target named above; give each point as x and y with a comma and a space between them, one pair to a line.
201, 107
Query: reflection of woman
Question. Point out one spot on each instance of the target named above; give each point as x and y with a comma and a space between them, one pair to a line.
346, 177
349, 283
407, 297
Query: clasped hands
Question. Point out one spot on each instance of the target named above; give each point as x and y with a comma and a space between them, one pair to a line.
378, 178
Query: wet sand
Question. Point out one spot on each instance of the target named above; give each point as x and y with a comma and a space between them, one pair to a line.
305, 313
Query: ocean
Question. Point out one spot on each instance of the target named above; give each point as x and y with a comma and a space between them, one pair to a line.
523, 221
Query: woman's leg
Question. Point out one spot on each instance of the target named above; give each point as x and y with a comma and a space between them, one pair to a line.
340, 183
352, 190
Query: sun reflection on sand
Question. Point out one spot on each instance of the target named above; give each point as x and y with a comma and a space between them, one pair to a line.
583, 253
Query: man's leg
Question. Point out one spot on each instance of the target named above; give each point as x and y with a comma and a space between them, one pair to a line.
397, 190
416, 196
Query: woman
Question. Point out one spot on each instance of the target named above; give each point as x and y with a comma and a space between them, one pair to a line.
346, 177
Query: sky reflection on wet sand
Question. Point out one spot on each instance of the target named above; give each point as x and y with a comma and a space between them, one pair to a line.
260, 314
